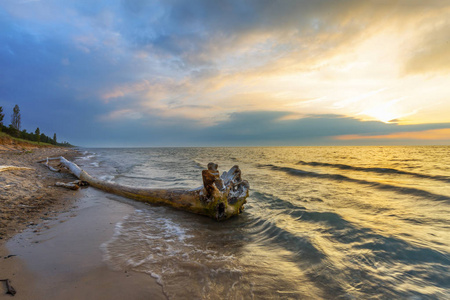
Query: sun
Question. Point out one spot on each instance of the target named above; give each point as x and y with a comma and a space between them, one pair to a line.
381, 115
388, 112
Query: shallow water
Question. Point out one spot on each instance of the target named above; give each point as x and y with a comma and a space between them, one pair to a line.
320, 223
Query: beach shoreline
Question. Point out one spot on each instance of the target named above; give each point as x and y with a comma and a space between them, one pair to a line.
29, 195
51, 237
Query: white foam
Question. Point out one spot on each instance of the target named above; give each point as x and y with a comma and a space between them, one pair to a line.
172, 230
87, 156
108, 178
157, 277
107, 256
162, 247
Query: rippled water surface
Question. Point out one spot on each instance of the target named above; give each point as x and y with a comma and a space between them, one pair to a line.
320, 223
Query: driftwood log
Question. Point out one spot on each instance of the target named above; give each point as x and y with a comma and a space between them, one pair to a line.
220, 197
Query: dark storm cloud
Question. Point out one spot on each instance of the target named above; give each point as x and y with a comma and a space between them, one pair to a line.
269, 128
257, 128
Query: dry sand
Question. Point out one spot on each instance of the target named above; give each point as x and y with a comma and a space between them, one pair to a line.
51, 237
26, 195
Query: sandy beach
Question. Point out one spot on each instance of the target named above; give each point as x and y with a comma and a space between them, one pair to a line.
51, 237
29, 194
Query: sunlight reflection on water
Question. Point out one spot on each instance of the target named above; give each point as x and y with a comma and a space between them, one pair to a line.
321, 222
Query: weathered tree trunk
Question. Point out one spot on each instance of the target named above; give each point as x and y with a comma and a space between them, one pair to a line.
220, 197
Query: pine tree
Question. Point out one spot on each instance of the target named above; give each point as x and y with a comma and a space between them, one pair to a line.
38, 135
15, 119
2, 115
54, 139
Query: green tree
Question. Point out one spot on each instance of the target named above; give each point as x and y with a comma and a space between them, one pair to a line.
54, 139
44, 138
15, 119
38, 135
2, 115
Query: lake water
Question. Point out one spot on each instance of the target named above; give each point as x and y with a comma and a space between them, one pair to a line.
320, 223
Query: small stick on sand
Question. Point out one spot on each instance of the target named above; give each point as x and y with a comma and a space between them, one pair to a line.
9, 287
8, 168
74, 185
51, 168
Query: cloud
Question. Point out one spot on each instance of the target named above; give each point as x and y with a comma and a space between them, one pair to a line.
249, 71
126, 90
122, 114
256, 128
432, 53
201, 33
271, 128
357, 98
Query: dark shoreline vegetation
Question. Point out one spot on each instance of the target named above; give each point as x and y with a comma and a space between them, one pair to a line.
13, 132
31, 138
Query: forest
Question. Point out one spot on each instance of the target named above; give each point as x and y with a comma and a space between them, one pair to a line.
14, 130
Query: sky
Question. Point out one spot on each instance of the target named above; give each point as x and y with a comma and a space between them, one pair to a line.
135, 73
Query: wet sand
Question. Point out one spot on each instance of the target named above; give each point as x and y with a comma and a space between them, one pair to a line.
57, 255
62, 258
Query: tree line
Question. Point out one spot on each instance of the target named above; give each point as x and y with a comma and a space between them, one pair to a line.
14, 129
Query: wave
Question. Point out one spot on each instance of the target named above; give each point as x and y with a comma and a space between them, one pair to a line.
300, 213
366, 248
268, 233
274, 202
381, 186
198, 165
376, 170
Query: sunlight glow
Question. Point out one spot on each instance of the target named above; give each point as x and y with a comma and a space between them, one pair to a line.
385, 112
435, 134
